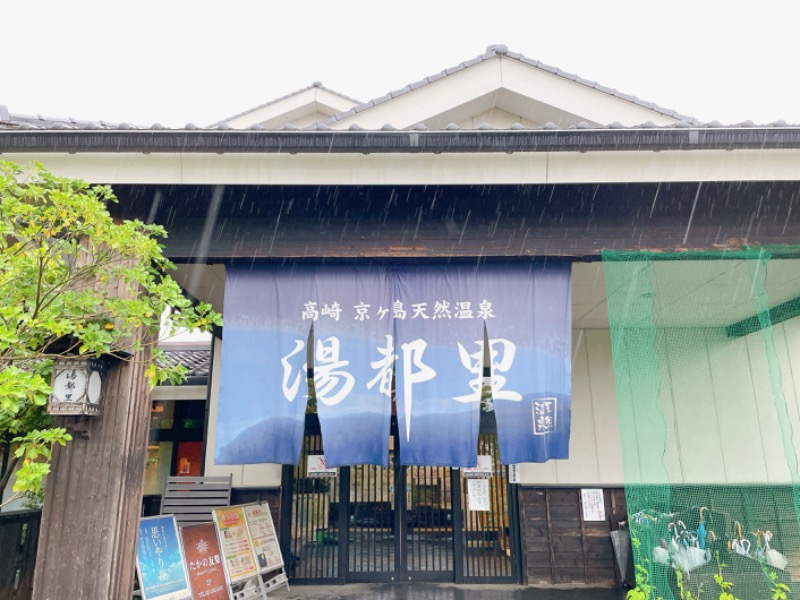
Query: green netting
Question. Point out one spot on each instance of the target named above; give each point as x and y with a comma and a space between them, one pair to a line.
706, 358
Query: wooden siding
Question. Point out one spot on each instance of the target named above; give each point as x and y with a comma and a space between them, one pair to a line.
559, 546
95, 495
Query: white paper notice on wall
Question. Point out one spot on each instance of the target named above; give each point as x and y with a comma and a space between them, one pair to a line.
478, 494
594, 508
513, 473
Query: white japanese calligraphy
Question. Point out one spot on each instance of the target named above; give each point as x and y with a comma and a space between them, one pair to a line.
498, 347
333, 311
310, 312
288, 387
419, 310
485, 310
398, 312
544, 415
384, 367
332, 385
441, 310
412, 357
464, 310
362, 311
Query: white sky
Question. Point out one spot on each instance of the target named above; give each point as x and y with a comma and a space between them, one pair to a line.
177, 61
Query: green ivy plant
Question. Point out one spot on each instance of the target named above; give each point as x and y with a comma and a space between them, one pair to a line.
644, 590
73, 281
683, 590
725, 587
780, 591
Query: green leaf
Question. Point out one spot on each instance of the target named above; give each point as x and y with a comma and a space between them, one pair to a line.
72, 279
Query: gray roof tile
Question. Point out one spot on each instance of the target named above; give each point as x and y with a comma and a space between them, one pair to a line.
197, 360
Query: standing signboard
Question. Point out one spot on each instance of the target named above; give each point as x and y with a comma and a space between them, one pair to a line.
204, 562
265, 541
159, 560
235, 543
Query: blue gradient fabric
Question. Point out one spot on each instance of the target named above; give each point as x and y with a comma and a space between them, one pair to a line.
530, 349
263, 374
353, 363
425, 326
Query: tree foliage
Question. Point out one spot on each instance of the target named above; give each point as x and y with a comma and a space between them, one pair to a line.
73, 281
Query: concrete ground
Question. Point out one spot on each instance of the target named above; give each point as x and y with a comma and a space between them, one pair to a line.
428, 591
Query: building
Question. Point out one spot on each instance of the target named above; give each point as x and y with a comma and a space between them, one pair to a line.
683, 355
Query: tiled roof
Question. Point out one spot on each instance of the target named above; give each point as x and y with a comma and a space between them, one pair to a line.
316, 84
501, 50
15, 121
197, 359
21, 121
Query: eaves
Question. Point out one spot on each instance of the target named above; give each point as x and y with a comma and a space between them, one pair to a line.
413, 142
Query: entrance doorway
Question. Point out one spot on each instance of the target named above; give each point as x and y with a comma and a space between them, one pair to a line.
400, 523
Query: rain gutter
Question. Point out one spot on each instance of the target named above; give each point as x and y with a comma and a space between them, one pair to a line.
415, 142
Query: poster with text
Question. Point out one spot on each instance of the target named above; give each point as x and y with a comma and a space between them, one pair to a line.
594, 508
265, 540
235, 543
204, 562
478, 495
159, 560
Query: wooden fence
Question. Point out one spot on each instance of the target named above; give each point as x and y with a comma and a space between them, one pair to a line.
19, 536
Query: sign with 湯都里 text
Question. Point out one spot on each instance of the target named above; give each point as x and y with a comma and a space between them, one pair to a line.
424, 333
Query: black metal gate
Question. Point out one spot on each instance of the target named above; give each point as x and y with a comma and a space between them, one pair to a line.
399, 524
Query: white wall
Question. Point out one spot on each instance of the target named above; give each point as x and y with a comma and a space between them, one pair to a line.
722, 421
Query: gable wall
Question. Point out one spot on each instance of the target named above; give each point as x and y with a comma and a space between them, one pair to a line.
497, 118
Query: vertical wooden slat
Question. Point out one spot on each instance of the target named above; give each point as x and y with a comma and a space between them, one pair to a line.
94, 496
550, 536
583, 540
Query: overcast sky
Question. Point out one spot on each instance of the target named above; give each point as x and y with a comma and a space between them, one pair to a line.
176, 61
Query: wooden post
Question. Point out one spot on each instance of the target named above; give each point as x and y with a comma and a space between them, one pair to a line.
87, 542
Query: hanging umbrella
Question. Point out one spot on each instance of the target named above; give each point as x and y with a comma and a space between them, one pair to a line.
740, 545
701, 531
772, 556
